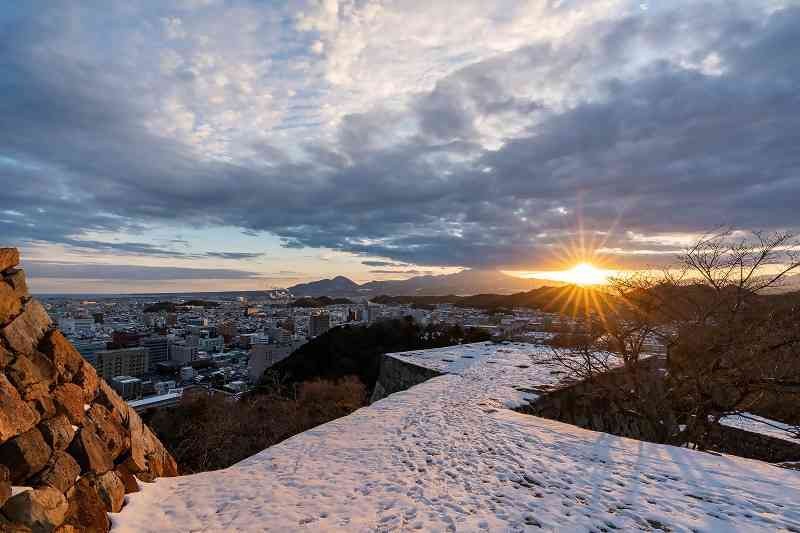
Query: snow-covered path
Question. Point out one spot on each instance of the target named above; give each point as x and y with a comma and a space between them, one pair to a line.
448, 456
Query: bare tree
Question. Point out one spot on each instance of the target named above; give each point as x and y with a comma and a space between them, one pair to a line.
731, 344
738, 350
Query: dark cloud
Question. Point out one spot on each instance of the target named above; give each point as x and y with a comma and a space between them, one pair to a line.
672, 121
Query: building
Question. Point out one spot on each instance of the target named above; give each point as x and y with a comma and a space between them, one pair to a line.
228, 330
211, 344
128, 387
76, 325
123, 362
263, 356
373, 313
167, 399
157, 349
318, 324
182, 352
279, 335
88, 348
125, 339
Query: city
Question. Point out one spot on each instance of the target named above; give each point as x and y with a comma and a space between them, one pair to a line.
379, 266
153, 351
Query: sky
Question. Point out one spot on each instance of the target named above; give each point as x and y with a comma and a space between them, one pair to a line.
246, 144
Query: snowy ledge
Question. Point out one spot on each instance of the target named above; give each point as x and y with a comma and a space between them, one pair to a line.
447, 455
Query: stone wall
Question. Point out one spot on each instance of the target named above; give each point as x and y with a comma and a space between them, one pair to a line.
743, 443
588, 404
64, 433
593, 404
396, 375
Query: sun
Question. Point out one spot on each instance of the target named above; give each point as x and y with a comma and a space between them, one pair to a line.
584, 274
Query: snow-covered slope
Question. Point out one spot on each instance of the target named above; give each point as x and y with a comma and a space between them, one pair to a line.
447, 455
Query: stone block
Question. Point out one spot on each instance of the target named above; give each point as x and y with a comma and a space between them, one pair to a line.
31, 374
16, 278
16, 416
9, 258
87, 511
90, 452
108, 398
160, 462
60, 473
108, 427
127, 478
57, 432
10, 303
24, 332
6, 357
110, 489
40, 401
66, 359
25, 455
6, 526
137, 462
88, 381
41, 509
68, 398
5, 484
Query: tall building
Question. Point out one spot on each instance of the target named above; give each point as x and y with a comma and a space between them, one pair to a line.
182, 352
263, 356
318, 324
124, 362
157, 349
89, 348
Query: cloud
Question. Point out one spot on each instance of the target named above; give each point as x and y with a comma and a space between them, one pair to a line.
410, 272
490, 142
87, 271
382, 264
233, 255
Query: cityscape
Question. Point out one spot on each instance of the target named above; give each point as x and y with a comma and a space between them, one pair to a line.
152, 351
390, 266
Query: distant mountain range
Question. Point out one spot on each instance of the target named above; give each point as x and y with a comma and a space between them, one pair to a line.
467, 282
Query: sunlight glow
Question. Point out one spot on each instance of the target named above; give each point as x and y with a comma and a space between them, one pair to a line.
585, 274
581, 274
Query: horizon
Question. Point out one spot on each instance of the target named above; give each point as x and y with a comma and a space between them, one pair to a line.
222, 146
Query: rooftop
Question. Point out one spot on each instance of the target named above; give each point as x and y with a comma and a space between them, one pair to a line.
449, 455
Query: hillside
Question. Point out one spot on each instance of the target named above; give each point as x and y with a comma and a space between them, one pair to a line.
570, 300
320, 301
356, 350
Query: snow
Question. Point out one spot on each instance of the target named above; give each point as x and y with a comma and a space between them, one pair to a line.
448, 455
17, 489
762, 426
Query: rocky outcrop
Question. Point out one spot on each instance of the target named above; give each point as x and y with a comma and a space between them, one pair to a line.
64, 433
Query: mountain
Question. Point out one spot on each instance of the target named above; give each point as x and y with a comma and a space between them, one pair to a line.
462, 283
338, 286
